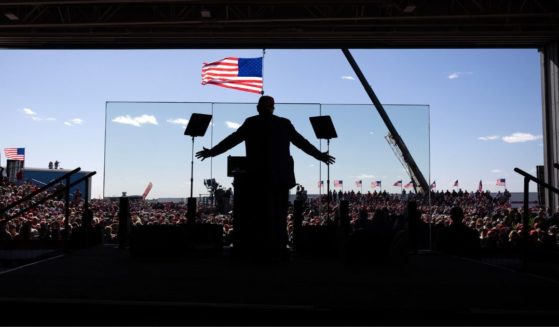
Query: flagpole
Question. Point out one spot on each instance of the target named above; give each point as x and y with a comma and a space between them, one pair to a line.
263, 54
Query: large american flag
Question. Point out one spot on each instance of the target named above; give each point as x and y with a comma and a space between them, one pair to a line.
501, 182
408, 185
338, 183
375, 184
243, 74
15, 153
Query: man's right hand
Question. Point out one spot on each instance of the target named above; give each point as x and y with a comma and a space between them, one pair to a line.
326, 158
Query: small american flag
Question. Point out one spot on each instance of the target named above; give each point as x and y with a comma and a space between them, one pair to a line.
15, 153
375, 184
434, 185
501, 182
480, 187
320, 184
408, 185
338, 183
243, 74
358, 183
398, 183
455, 183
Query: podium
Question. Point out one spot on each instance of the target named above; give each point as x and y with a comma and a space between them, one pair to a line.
236, 168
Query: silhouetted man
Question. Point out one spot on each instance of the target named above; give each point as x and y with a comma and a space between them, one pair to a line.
270, 172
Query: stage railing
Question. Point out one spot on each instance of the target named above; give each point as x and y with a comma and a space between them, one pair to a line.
43, 194
526, 210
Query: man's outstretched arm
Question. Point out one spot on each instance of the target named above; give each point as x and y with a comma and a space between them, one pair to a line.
227, 143
302, 143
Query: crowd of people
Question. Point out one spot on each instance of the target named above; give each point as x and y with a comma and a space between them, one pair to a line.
487, 219
45, 222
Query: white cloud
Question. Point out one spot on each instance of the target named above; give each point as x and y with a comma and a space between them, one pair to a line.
34, 116
29, 112
455, 75
349, 78
521, 137
178, 121
73, 122
371, 133
232, 125
136, 121
496, 171
311, 165
366, 176
488, 138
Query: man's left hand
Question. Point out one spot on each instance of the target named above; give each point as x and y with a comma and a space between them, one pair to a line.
326, 158
205, 153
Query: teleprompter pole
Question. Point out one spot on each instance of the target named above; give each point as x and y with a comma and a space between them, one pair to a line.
192, 169
328, 184
191, 202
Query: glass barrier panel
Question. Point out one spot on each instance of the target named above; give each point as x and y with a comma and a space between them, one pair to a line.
145, 142
363, 153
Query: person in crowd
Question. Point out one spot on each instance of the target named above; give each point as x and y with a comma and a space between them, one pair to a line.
458, 238
4, 232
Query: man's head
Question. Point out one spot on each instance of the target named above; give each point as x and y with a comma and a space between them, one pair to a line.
265, 105
456, 214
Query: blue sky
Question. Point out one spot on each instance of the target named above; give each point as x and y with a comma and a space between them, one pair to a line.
484, 106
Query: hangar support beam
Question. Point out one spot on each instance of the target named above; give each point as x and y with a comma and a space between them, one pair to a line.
420, 183
550, 106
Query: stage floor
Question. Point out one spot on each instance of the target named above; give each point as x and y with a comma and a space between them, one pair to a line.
105, 286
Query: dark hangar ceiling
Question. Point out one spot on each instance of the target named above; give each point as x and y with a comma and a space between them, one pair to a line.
93, 24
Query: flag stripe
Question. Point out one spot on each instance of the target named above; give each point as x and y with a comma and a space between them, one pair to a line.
240, 83
229, 80
237, 87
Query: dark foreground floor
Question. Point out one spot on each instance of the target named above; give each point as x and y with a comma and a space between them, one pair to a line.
105, 286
